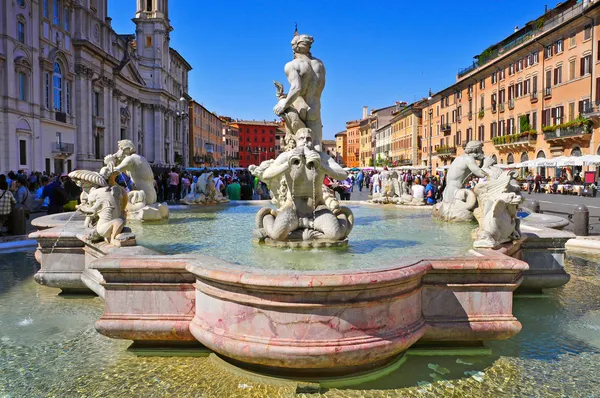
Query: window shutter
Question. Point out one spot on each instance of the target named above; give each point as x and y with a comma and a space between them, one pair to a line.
597, 89
580, 107
582, 66
544, 118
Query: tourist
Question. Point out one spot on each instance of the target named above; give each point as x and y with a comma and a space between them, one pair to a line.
234, 190
23, 197
185, 186
246, 192
347, 187
173, 184
43, 202
361, 179
376, 183
538, 183
7, 201
529, 183
58, 196
429, 192
418, 190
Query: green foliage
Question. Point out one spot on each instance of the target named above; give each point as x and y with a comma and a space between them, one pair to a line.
446, 149
481, 114
371, 162
524, 123
581, 121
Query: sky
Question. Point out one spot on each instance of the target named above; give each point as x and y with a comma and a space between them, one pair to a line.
376, 52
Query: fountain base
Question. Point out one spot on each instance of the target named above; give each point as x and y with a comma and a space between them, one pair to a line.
302, 244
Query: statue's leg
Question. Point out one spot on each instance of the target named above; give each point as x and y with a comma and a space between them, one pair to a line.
278, 228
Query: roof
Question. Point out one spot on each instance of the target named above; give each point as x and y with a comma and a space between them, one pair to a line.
328, 142
340, 133
183, 61
256, 123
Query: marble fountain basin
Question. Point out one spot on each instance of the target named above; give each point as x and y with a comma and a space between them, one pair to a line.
292, 312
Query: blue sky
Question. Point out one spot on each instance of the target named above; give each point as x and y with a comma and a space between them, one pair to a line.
375, 52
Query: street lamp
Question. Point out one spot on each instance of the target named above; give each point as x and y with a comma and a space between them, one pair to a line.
430, 136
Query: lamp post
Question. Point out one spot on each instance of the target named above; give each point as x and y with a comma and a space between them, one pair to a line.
430, 138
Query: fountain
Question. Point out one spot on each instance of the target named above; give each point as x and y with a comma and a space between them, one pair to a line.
277, 308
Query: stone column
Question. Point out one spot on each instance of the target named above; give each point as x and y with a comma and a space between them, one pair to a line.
134, 122
82, 98
159, 142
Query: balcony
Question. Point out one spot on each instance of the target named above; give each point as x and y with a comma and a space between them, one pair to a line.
520, 141
511, 104
525, 37
63, 148
446, 152
579, 134
445, 127
533, 97
60, 117
481, 113
547, 92
494, 108
98, 121
501, 107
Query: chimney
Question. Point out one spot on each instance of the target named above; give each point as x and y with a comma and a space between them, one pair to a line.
365, 112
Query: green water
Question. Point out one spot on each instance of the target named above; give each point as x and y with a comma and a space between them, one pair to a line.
381, 236
49, 348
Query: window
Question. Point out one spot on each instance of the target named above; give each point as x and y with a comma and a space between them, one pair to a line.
148, 41
148, 5
526, 85
548, 52
548, 78
501, 74
22, 152
519, 90
558, 75
572, 40
481, 102
481, 133
459, 94
66, 19
559, 46
22, 86
587, 32
493, 129
57, 10
511, 69
494, 78
68, 97
546, 120
47, 90
21, 32
536, 57
586, 63
57, 87
572, 69
534, 87
533, 119
45, 8
482, 84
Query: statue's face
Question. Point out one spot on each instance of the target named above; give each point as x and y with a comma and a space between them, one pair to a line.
302, 47
304, 140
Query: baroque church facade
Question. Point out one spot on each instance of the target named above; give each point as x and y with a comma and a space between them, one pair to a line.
71, 87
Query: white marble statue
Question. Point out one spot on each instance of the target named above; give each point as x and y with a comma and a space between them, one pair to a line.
301, 106
498, 198
106, 205
142, 198
458, 203
204, 192
87, 180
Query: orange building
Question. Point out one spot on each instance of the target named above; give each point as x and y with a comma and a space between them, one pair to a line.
206, 133
529, 96
341, 143
353, 143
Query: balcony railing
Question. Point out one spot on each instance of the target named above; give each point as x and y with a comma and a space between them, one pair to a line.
98, 121
470, 115
566, 132
524, 139
63, 147
533, 96
511, 103
558, 19
548, 92
446, 151
445, 127
494, 108
60, 117
501, 107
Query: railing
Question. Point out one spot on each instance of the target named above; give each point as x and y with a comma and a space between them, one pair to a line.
547, 25
98, 121
494, 108
566, 132
501, 107
511, 103
533, 96
445, 127
446, 151
60, 117
510, 140
470, 115
548, 92
63, 147
589, 109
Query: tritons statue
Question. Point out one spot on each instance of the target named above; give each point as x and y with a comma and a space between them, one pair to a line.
498, 200
307, 215
142, 198
458, 203
395, 191
204, 192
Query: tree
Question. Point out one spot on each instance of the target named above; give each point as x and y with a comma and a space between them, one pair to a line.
371, 162
379, 160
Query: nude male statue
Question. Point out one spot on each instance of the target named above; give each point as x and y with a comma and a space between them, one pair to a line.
462, 167
303, 169
306, 76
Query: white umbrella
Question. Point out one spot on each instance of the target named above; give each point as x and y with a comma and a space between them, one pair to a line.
590, 160
569, 161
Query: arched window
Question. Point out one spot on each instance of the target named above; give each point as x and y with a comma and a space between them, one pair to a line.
57, 87
510, 159
576, 151
524, 157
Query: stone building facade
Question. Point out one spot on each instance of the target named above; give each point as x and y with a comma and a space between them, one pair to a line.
71, 87
231, 143
206, 134
341, 141
406, 140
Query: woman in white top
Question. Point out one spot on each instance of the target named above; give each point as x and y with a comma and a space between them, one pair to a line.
418, 190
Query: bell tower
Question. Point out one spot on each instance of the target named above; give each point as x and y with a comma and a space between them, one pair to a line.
152, 40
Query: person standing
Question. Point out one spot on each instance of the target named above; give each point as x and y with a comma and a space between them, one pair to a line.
24, 198
430, 192
361, 179
234, 190
7, 201
173, 184
376, 183
538, 183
